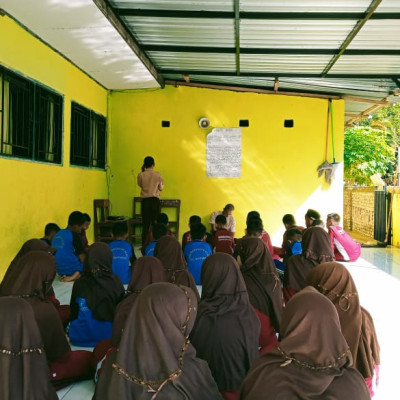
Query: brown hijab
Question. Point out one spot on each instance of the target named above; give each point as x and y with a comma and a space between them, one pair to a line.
24, 374
335, 282
154, 358
227, 329
312, 360
13, 271
98, 285
262, 281
317, 249
146, 270
37, 272
169, 251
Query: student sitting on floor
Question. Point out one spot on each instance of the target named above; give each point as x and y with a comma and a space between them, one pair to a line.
311, 216
147, 270
264, 234
222, 240
49, 232
293, 245
334, 281
197, 251
344, 246
159, 230
316, 249
162, 218
70, 251
169, 251
24, 373
226, 331
85, 227
33, 283
94, 298
155, 359
123, 253
289, 222
186, 238
312, 360
15, 269
262, 281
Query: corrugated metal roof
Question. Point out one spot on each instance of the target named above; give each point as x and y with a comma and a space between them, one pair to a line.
328, 86
378, 34
178, 31
361, 65
286, 34
303, 6
260, 5
282, 63
212, 5
194, 61
311, 46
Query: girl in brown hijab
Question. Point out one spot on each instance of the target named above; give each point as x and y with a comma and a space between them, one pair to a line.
94, 298
155, 359
13, 271
227, 329
263, 286
169, 251
317, 249
335, 282
312, 361
146, 270
24, 374
38, 270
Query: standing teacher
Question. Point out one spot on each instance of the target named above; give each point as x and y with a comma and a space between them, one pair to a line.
151, 183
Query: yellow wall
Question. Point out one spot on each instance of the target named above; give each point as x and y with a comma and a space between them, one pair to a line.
34, 194
278, 164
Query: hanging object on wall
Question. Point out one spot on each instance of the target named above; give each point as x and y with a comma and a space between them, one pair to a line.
326, 167
204, 123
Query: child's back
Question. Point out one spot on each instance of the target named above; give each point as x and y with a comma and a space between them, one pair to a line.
197, 251
223, 241
159, 230
69, 246
123, 253
122, 256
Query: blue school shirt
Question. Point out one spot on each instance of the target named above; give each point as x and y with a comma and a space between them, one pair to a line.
85, 330
122, 254
68, 247
149, 250
195, 253
296, 248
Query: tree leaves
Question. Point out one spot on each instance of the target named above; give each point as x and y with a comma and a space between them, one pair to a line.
367, 151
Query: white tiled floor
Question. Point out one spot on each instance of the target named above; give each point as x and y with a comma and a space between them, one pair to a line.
379, 294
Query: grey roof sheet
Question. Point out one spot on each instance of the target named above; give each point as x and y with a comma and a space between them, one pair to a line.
294, 41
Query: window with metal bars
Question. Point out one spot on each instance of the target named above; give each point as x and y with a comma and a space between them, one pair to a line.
30, 119
88, 137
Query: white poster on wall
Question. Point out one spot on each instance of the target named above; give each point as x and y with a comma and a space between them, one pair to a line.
224, 153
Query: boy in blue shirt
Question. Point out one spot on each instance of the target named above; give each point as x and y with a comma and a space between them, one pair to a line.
70, 252
197, 251
159, 230
50, 231
123, 253
293, 246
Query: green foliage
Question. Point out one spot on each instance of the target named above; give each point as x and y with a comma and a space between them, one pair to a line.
367, 151
389, 118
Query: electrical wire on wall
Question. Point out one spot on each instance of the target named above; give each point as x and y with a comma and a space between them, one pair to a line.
109, 175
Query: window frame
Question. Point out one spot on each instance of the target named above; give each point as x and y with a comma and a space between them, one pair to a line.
88, 146
21, 119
